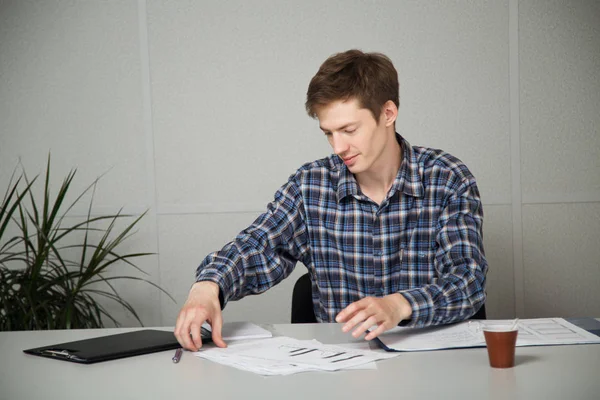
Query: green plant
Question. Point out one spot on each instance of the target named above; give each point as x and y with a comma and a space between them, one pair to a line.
52, 274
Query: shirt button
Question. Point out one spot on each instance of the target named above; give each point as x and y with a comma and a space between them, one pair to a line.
377, 253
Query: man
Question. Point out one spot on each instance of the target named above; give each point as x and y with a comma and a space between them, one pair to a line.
388, 232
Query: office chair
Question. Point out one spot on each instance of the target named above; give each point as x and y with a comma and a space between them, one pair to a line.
302, 305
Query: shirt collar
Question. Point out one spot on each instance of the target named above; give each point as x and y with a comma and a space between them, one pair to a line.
408, 179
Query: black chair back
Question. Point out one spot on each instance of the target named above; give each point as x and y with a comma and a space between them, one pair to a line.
302, 305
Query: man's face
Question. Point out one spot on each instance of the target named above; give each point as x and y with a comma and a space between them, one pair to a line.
355, 136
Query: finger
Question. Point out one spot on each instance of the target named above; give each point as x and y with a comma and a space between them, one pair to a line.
183, 336
362, 328
182, 332
364, 309
374, 333
178, 326
346, 313
217, 324
350, 310
359, 317
195, 333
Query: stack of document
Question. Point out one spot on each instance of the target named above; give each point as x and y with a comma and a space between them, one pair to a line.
284, 356
532, 332
241, 331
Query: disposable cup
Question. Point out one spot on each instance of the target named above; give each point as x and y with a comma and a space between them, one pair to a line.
501, 341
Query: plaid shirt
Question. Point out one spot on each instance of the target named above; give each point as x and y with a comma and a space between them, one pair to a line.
423, 241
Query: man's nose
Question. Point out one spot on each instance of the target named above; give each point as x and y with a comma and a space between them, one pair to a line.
338, 144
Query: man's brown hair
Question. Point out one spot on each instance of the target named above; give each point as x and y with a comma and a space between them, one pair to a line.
368, 77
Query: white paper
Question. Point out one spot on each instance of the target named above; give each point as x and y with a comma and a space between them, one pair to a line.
230, 357
284, 356
362, 345
241, 330
532, 332
552, 331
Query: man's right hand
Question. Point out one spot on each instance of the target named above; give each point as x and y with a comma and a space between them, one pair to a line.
202, 305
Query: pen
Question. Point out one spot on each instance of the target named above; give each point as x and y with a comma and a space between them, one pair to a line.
177, 355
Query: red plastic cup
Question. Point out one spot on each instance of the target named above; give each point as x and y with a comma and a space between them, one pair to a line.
501, 344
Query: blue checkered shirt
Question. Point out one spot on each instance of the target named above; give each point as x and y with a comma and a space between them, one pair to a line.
423, 241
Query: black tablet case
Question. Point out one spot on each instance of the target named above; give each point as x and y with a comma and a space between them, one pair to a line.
111, 347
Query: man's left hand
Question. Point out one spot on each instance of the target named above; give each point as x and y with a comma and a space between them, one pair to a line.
385, 312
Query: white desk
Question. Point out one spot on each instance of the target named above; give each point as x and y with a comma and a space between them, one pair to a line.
557, 372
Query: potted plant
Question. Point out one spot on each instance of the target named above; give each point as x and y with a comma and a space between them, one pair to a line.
53, 273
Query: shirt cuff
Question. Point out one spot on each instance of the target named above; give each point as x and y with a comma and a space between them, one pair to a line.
218, 279
422, 308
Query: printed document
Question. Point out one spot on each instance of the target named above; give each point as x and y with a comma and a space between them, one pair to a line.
283, 356
241, 330
532, 332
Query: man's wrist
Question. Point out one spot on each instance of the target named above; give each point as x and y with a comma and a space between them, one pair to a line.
211, 287
205, 286
403, 305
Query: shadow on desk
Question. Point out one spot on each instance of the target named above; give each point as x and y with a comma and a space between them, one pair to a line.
522, 360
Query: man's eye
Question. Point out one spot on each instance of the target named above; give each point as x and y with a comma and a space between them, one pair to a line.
350, 130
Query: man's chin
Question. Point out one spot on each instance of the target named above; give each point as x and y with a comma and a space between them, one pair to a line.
355, 169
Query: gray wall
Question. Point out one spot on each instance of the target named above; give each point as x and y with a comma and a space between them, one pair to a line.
195, 109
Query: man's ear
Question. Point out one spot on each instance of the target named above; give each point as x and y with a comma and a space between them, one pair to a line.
389, 113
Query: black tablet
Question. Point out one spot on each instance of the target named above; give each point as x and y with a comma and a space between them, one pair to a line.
111, 347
